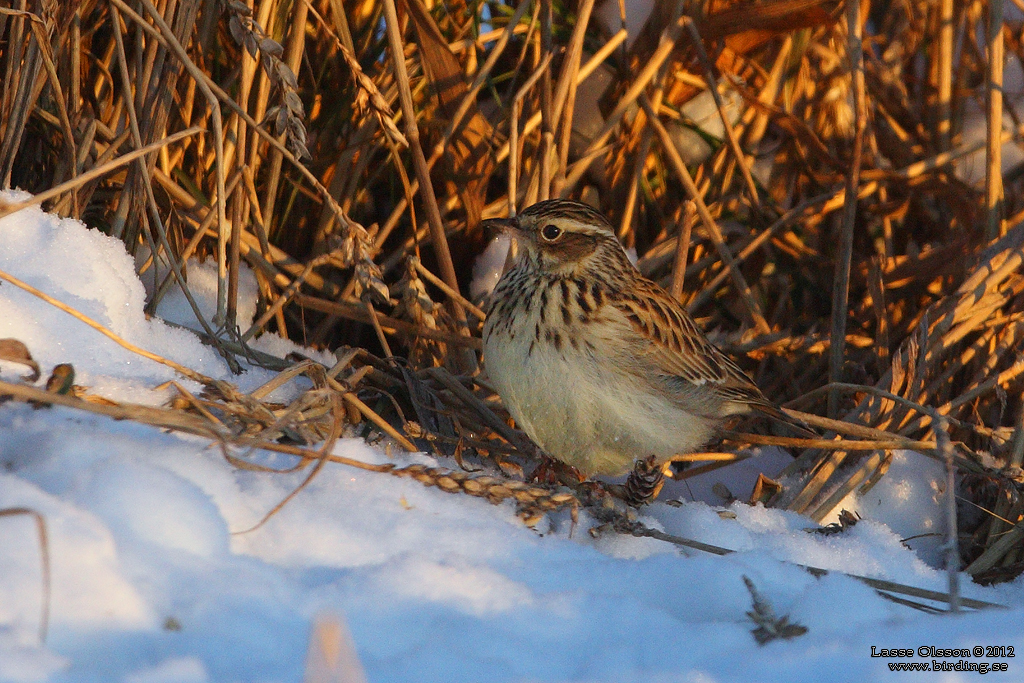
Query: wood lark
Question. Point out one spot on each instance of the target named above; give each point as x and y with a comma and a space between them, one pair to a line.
600, 366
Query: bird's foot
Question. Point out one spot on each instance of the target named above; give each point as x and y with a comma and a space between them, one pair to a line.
555, 473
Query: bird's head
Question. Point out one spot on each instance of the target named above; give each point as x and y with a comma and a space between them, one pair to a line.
563, 237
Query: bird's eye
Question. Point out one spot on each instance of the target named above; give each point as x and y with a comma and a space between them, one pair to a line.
551, 232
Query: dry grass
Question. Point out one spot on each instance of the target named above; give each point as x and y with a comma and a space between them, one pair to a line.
347, 151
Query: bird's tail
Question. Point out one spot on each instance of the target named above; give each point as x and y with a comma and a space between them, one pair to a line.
794, 424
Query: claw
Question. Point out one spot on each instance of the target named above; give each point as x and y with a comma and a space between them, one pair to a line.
555, 473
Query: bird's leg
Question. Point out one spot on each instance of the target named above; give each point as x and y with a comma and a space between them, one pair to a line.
555, 473
644, 483
589, 492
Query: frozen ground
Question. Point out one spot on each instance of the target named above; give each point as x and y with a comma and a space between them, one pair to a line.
152, 581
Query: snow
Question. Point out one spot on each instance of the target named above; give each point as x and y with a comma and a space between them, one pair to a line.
908, 500
488, 267
158, 575
202, 283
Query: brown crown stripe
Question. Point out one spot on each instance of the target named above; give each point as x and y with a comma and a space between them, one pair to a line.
560, 208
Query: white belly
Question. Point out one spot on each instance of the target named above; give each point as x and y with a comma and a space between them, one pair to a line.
579, 409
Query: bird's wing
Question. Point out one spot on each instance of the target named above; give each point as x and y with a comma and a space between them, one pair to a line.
671, 346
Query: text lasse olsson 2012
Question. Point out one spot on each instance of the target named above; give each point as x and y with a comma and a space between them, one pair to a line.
963, 664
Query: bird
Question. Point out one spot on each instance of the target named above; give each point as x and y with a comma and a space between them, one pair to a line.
602, 368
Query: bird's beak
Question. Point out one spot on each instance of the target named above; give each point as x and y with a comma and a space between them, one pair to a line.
505, 225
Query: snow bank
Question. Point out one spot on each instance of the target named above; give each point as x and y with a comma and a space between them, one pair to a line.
92, 273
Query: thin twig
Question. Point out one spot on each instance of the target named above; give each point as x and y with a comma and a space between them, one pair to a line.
945, 73
585, 72
546, 113
440, 284
952, 546
412, 133
354, 401
469, 98
223, 228
254, 125
377, 329
636, 178
841, 282
187, 372
994, 117
667, 43
682, 249
284, 298
705, 215
155, 221
353, 311
514, 145
730, 133
336, 428
820, 205
565, 97
62, 109
830, 444
452, 383
95, 172
639, 529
